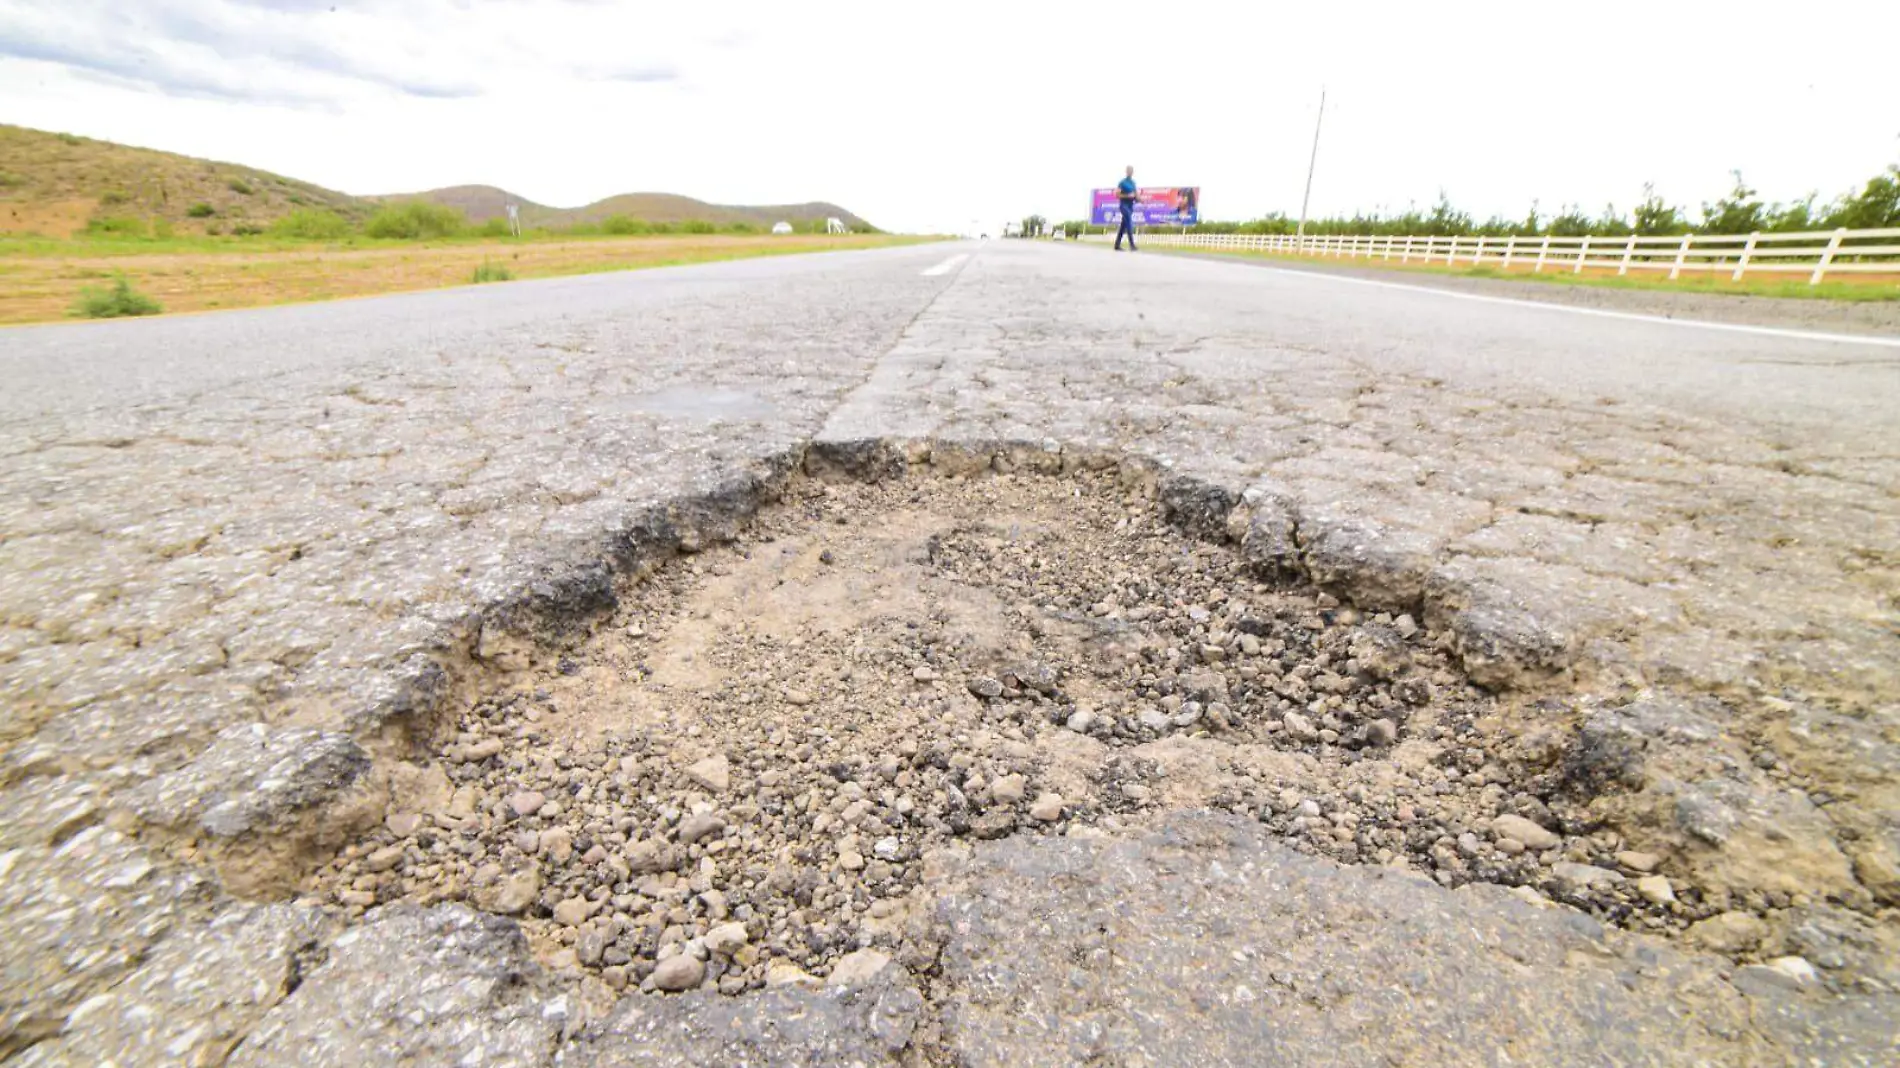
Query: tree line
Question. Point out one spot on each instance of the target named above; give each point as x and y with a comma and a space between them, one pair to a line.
1875, 205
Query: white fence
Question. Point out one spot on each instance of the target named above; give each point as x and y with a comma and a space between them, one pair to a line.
1816, 254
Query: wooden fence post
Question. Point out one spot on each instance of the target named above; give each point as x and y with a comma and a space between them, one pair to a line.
1682, 254
1477, 258
1827, 258
1510, 248
1629, 249
1748, 251
1583, 253
1543, 251
1407, 257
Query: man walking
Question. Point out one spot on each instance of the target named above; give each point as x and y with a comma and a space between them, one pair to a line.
1126, 188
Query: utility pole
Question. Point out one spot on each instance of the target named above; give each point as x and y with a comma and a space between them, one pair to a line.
1299, 239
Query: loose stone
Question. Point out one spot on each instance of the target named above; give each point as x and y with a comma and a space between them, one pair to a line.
1584, 875
1655, 889
1526, 831
1729, 932
1009, 789
726, 939
573, 912
713, 774
511, 893
681, 972
858, 967
1300, 727
1047, 809
694, 828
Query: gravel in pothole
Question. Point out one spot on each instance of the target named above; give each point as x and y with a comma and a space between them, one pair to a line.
738, 779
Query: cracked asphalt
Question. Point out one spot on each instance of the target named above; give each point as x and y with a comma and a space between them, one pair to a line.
243, 554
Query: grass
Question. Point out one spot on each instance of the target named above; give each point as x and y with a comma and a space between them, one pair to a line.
117, 302
492, 272
190, 273
1794, 288
56, 180
416, 220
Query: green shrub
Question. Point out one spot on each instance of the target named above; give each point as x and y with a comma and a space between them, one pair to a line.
1875, 207
742, 228
201, 210
621, 226
662, 228
309, 224
115, 196
9, 180
162, 229
116, 226
119, 301
415, 220
71, 139
240, 187
698, 226
496, 227
247, 229
493, 272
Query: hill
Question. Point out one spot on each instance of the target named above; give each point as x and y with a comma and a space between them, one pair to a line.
484, 202
54, 184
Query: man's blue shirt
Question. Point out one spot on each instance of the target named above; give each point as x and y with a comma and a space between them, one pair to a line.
1126, 187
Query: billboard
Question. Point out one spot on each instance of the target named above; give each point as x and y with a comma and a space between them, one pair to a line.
1159, 206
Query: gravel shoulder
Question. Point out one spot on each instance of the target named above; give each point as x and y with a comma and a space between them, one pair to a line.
1847, 317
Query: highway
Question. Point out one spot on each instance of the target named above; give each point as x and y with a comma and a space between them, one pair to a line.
1816, 378
273, 516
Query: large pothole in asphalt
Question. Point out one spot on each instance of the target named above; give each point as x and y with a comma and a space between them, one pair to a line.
740, 777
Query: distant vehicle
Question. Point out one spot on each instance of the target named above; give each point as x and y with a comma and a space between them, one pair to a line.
984, 237
782, 228
1055, 235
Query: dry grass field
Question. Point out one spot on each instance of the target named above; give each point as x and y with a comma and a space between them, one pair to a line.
41, 281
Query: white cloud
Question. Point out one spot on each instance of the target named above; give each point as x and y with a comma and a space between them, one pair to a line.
930, 116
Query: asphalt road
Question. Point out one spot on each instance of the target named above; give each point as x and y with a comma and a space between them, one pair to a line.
1812, 379
272, 517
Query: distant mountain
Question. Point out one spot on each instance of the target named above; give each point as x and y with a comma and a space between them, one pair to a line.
484, 202
55, 184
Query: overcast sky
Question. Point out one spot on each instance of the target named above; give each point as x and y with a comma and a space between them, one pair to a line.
928, 117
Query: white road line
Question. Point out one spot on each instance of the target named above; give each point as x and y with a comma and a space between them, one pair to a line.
947, 266
1737, 328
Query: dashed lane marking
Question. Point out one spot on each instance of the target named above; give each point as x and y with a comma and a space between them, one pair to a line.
946, 266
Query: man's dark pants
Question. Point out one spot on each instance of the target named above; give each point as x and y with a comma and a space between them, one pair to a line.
1128, 226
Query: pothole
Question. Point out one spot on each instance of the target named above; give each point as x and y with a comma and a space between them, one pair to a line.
741, 777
